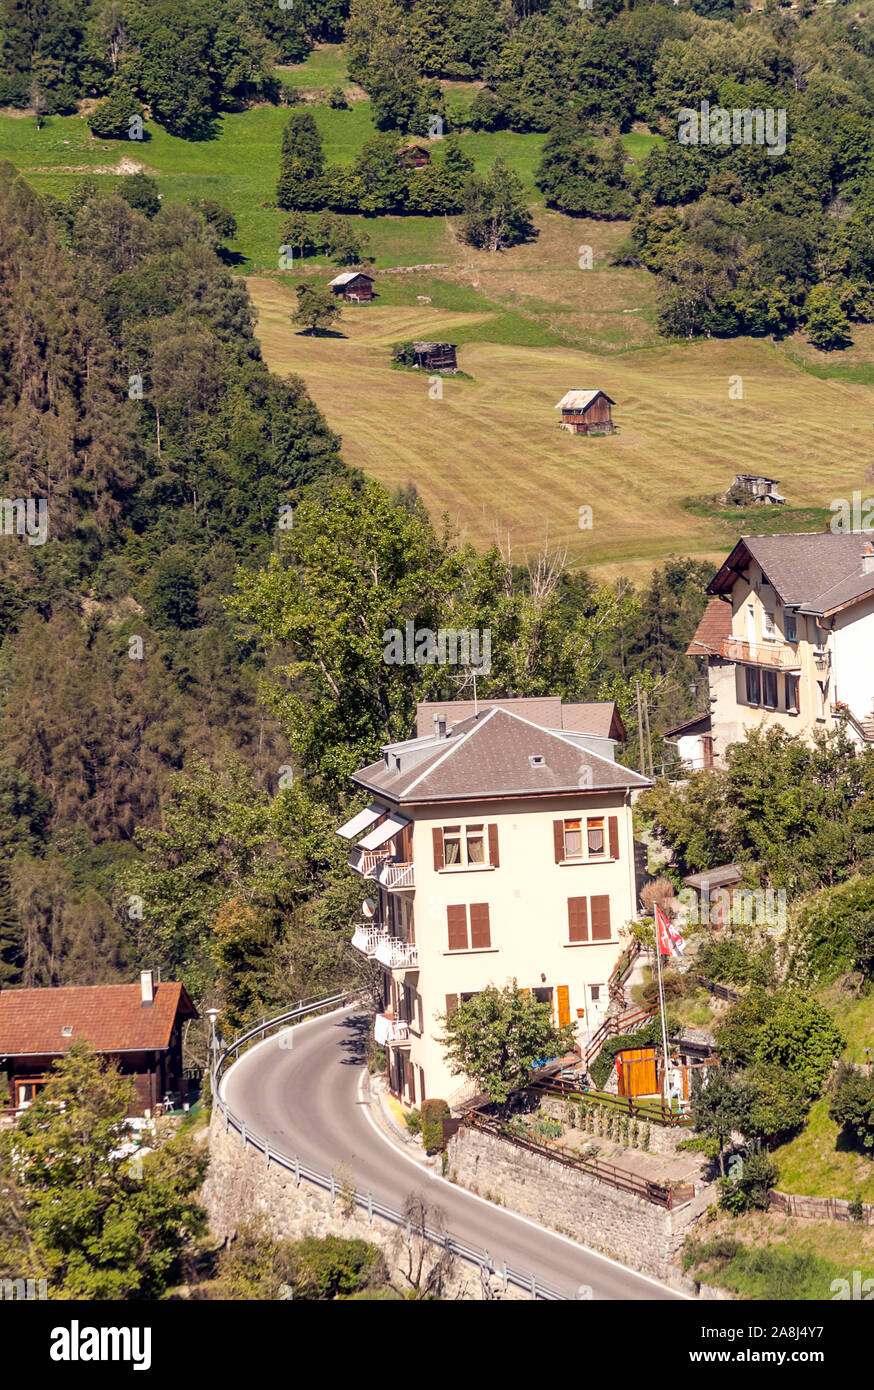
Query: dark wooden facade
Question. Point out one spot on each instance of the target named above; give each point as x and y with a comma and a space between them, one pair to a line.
435, 357
594, 416
414, 157
138, 1028
356, 290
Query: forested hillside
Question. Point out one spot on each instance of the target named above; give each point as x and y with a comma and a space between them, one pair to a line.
187, 676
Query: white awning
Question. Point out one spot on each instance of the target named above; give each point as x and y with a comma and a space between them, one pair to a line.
360, 822
383, 832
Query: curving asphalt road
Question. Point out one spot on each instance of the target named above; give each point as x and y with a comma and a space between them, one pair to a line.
307, 1101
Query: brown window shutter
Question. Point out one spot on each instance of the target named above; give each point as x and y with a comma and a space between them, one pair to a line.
456, 919
412, 1085
480, 936
601, 917
494, 857
451, 1003
578, 919
558, 836
613, 832
419, 1012
437, 838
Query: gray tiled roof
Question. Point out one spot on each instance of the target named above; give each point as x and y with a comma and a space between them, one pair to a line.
804, 568
490, 754
597, 717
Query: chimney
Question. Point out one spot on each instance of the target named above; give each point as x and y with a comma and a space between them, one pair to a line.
868, 558
147, 988
440, 725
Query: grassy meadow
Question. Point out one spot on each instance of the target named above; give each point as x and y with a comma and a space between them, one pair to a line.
491, 455
530, 323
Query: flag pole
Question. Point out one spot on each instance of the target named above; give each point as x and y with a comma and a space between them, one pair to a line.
661, 1000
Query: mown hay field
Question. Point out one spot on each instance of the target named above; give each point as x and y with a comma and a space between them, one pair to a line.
490, 452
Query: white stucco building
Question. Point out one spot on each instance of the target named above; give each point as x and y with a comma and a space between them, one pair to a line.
789, 637
497, 847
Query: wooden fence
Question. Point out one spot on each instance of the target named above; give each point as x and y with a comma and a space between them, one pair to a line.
658, 1193
655, 1111
818, 1208
720, 991
615, 1025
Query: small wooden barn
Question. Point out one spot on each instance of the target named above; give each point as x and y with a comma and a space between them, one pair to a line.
435, 357
586, 412
414, 156
353, 286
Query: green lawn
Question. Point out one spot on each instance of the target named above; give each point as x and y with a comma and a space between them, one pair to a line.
326, 66
239, 168
639, 143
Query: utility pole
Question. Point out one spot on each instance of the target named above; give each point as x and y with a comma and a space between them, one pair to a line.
648, 739
640, 730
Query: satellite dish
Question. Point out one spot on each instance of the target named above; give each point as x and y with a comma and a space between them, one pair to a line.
368, 907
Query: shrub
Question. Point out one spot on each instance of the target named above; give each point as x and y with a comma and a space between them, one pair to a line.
376, 1062
433, 1113
327, 1267
337, 99
749, 1189
856, 1209
413, 1121
852, 1106
110, 119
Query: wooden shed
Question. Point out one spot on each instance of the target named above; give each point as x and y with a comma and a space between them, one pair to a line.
353, 286
586, 412
435, 357
414, 156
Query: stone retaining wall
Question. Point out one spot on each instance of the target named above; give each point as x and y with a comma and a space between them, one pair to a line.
628, 1228
239, 1186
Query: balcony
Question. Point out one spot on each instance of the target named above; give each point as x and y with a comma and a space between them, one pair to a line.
364, 938
776, 656
396, 953
392, 951
391, 1030
368, 862
396, 877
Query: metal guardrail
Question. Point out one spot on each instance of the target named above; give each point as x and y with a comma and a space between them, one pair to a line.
308, 1008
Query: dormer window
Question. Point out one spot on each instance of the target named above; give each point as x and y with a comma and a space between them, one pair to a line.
537, 760
67, 1030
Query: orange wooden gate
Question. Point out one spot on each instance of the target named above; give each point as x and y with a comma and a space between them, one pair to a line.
636, 1071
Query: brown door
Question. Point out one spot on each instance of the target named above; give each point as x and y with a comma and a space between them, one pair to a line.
564, 1005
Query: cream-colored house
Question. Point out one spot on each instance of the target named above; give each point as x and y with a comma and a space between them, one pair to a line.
494, 849
789, 637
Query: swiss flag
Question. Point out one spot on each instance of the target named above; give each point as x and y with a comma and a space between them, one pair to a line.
670, 941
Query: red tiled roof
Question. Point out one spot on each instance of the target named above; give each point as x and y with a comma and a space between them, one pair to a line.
112, 1018
714, 627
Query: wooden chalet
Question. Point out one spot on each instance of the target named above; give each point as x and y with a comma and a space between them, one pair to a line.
435, 357
138, 1027
586, 412
353, 286
414, 156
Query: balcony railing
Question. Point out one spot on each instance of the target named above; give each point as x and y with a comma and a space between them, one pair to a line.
396, 953
397, 876
368, 862
394, 1030
365, 937
775, 655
